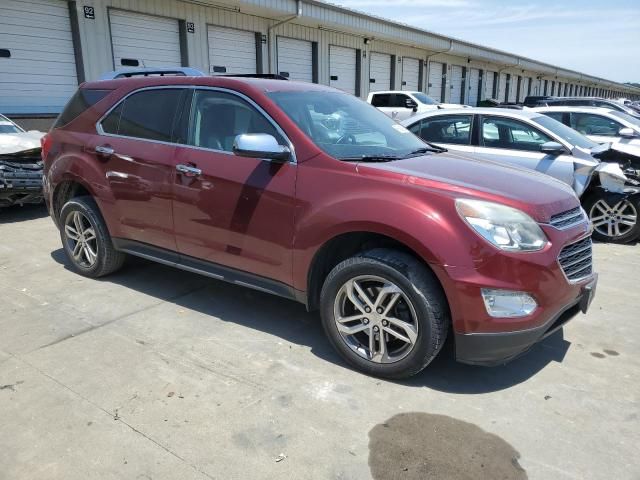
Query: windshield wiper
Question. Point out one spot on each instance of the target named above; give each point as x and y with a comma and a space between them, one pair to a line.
372, 158
431, 148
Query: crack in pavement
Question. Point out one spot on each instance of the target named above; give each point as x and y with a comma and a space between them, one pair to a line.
117, 418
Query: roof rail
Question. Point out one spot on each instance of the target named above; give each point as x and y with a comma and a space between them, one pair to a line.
155, 72
272, 76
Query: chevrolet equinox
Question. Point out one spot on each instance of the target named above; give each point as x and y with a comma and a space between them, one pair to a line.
309, 193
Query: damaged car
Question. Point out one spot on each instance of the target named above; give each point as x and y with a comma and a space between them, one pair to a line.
605, 177
20, 165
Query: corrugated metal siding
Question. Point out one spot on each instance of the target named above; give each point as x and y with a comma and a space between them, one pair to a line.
151, 40
40, 75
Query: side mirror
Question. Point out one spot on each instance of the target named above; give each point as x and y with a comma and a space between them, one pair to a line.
261, 145
411, 104
626, 133
552, 148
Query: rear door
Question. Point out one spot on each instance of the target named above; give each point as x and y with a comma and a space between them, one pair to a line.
514, 142
135, 148
237, 211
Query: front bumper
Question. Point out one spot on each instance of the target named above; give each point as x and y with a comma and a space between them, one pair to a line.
20, 183
490, 349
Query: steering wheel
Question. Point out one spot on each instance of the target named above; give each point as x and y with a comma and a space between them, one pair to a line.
347, 139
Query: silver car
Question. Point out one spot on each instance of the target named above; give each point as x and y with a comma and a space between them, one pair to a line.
601, 125
610, 194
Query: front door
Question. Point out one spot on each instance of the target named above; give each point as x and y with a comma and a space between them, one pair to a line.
231, 210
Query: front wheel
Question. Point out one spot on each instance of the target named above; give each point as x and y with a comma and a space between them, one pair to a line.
615, 216
385, 313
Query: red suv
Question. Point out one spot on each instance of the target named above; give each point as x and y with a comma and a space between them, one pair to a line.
309, 193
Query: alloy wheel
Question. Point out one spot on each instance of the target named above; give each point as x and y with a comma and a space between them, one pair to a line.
613, 221
376, 319
81, 239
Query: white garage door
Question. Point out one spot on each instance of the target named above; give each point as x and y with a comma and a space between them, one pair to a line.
456, 85
295, 59
379, 72
524, 88
39, 75
473, 81
513, 88
144, 40
436, 75
502, 87
231, 51
411, 74
489, 81
342, 68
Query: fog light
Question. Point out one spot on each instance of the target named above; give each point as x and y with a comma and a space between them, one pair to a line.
505, 303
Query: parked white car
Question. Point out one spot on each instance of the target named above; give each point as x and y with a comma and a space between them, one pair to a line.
401, 105
601, 125
607, 180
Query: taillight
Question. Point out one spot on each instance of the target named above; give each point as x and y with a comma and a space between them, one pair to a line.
45, 145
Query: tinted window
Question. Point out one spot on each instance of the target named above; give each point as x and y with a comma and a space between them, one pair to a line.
511, 134
454, 129
628, 118
558, 116
591, 124
399, 100
381, 100
81, 101
571, 136
218, 117
148, 115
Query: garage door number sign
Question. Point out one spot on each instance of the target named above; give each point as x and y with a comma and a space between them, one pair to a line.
89, 12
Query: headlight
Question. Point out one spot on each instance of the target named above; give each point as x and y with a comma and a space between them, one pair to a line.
505, 227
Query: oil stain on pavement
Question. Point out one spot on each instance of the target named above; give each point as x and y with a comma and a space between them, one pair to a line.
423, 446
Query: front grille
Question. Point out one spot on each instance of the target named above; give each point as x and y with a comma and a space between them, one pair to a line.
576, 260
568, 219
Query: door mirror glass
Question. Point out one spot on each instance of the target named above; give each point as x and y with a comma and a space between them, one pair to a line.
626, 132
552, 148
261, 145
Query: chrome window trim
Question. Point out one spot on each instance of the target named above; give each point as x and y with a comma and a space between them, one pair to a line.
244, 97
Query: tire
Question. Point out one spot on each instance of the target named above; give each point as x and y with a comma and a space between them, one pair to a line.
615, 216
419, 303
100, 258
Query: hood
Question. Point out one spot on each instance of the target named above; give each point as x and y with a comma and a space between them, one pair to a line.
17, 142
539, 195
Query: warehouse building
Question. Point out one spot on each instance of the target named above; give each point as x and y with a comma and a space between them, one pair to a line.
48, 47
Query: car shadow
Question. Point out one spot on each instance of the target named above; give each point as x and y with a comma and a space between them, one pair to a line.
290, 321
17, 213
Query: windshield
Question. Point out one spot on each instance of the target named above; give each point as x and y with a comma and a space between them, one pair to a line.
422, 98
568, 134
7, 126
345, 127
628, 118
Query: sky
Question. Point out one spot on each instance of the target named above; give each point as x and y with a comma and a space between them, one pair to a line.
596, 37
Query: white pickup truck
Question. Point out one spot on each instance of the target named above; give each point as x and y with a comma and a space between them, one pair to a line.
401, 105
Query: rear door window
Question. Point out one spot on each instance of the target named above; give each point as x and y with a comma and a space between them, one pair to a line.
381, 100
453, 129
511, 134
592, 124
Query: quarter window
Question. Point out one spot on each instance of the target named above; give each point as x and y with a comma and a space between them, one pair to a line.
590, 124
218, 117
453, 129
511, 134
148, 115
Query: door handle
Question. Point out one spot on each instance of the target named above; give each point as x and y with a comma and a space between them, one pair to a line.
188, 171
103, 150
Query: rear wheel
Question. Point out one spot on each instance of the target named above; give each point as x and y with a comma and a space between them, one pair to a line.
86, 240
615, 217
385, 313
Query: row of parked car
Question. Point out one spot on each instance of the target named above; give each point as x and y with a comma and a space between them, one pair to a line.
591, 144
